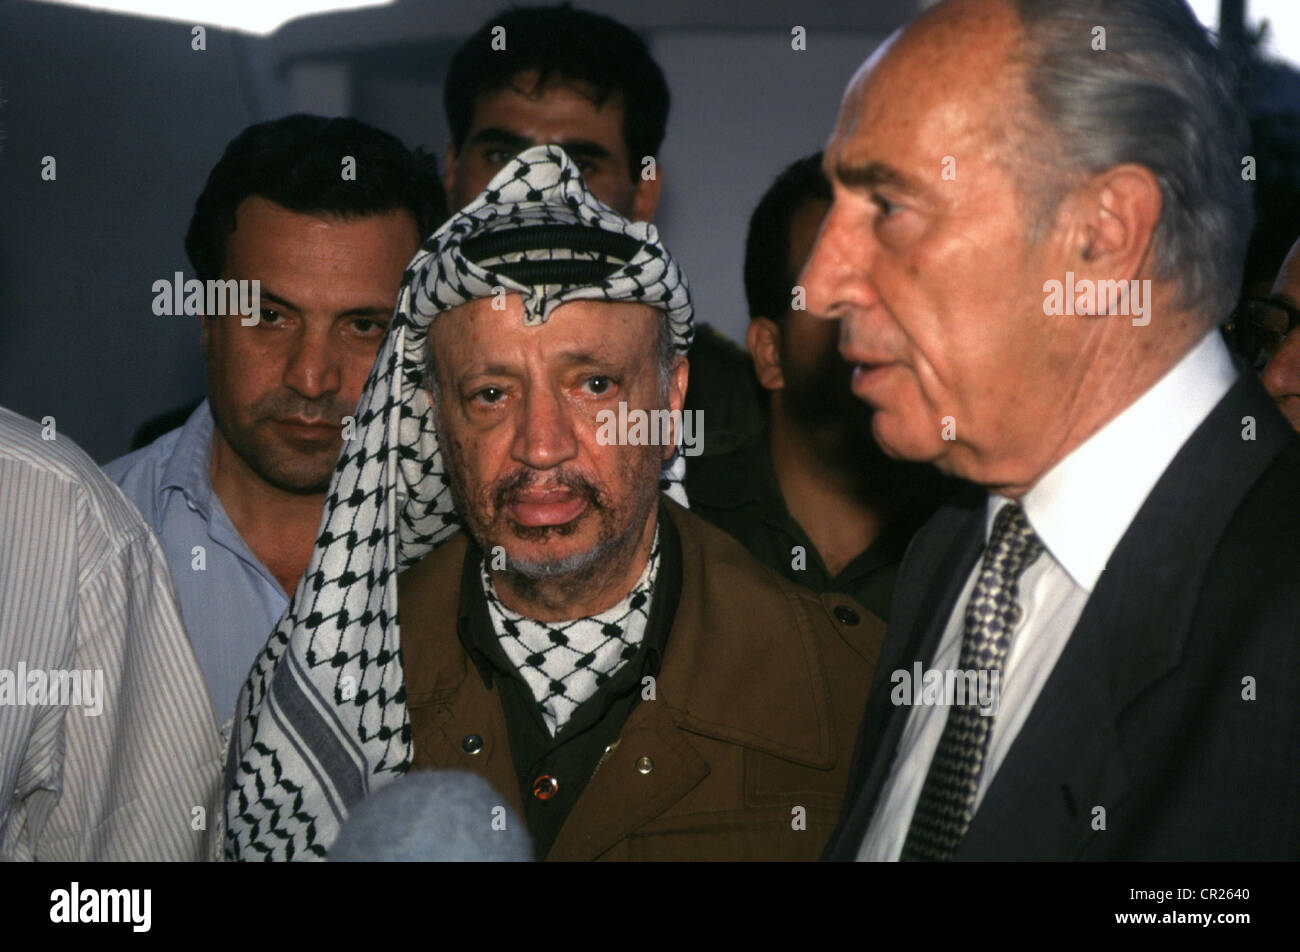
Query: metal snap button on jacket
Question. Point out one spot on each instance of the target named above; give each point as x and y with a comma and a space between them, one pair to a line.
472, 744
846, 615
545, 787
644, 765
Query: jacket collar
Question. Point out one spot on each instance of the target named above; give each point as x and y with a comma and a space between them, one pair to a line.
763, 642
1082, 506
717, 641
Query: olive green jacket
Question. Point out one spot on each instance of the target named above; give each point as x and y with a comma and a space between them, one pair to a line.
742, 754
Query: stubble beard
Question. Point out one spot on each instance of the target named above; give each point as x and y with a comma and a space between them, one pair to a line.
268, 458
574, 578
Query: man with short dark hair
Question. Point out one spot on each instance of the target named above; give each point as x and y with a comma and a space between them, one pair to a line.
533, 75
630, 681
812, 496
323, 215
1039, 316
570, 77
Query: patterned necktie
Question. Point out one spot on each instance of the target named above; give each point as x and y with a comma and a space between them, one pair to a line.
947, 802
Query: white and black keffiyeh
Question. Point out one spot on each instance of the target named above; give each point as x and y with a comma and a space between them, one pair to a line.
564, 663
322, 719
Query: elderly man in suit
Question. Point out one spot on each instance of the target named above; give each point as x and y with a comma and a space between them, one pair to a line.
1125, 572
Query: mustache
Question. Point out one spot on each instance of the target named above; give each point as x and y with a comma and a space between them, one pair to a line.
503, 491
281, 405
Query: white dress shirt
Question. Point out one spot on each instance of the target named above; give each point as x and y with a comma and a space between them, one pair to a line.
1080, 510
131, 769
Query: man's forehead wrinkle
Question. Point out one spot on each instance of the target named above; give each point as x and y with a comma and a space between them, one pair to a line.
597, 310
885, 152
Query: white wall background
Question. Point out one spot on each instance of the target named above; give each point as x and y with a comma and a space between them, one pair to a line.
745, 106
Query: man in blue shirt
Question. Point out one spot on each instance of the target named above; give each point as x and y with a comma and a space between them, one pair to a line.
321, 216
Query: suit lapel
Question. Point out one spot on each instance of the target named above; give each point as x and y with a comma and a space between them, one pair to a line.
932, 576
1067, 759
1064, 763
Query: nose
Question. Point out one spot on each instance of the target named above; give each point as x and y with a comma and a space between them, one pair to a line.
836, 278
545, 437
314, 366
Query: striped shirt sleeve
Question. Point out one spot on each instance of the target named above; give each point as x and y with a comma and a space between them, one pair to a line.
109, 749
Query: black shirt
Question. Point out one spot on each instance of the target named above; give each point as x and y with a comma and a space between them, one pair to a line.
739, 493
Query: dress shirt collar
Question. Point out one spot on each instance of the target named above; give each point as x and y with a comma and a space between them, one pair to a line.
1083, 506
187, 466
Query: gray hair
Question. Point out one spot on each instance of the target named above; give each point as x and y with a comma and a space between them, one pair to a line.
1160, 95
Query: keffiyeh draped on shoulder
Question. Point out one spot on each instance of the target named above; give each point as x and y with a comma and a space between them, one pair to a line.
322, 719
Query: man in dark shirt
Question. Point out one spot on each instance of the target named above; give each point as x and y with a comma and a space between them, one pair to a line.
812, 496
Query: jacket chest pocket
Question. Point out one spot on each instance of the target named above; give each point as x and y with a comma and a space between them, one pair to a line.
773, 810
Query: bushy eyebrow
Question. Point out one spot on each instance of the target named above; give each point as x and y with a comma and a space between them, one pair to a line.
370, 311
585, 149
495, 135
514, 142
283, 302
874, 174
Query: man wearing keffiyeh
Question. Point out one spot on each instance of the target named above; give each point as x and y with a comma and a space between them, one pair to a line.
628, 678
